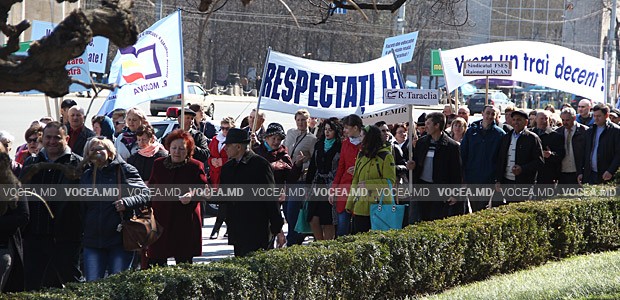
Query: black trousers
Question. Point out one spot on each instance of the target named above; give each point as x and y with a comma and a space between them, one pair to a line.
361, 224
48, 263
568, 178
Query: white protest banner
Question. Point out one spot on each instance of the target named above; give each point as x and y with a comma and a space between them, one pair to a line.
532, 62
97, 54
409, 96
77, 67
403, 46
150, 69
328, 89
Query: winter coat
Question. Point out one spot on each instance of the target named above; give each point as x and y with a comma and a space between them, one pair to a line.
528, 155
121, 148
479, 153
284, 171
214, 172
446, 162
11, 224
251, 219
99, 215
550, 171
67, 222
375, 173
144, 164
182, 223
608, 152
342, 180
85, 134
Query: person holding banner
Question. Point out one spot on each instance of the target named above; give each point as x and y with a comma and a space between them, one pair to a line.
127, 143
299, 142
259, 129
346, 166
374, 172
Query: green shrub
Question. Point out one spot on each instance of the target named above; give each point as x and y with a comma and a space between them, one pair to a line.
425, 258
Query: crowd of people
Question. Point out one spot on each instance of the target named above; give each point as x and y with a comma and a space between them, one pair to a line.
83, 239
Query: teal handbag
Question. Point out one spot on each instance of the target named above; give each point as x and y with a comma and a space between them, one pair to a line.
386, 216
302, 225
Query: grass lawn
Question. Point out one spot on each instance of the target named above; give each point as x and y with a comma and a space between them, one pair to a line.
580, 277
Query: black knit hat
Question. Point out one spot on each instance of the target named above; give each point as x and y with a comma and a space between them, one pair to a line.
275, 128
421, 119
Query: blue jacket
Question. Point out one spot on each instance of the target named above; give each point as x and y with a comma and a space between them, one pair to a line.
100, 217
479, 153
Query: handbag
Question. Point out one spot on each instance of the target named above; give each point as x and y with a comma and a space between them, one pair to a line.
386, 216
141, 230
302, 225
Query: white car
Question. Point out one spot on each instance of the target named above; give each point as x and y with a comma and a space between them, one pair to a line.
194, 94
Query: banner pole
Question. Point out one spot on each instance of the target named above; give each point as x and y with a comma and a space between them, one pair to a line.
92, 82
486, 94
58, 109
260, 93
182, 123
410, 146
47, 105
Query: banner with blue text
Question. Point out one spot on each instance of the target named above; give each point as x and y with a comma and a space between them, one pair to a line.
532, 62
328, 89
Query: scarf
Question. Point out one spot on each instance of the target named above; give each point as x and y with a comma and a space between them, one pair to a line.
221, 138
328, 144
355, 140
269, 149
151, 150
129, 139
171, 165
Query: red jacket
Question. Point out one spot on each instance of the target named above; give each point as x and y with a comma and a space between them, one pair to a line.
182, 235
214, 172
348, 155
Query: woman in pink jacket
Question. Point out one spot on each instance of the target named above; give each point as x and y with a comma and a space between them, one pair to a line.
344, 176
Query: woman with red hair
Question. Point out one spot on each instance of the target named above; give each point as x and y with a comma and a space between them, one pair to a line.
178, 215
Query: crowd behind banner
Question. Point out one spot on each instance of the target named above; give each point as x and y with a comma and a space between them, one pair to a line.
74, 241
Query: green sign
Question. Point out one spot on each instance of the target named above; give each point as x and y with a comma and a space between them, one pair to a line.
436, 68
23, 48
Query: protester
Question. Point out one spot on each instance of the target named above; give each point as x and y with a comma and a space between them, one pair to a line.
479, 154
400, 161
179, 215
201, 143
217, 160
272, 149
7, 139
614, 116
531, 119
78, 133
508, 115
573, 134
118, 119
259, 130
463, 112
437, 160
458, 128
251, 220
103, 126
553, 149
64, 110
602, 149
400, 131
313, 126
550, 108
52, 245
11, 254
321, 171
201, 123
101, 216
520, 155
126, 143
585, 115
298, 142
149, 150
374, 171
346, 166
421, 125
33, 142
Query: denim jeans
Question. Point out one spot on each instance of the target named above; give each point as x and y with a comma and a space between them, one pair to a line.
344, 224
113, 260
293, 205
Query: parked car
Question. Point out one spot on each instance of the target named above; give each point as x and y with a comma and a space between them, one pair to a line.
496, 98
194, 94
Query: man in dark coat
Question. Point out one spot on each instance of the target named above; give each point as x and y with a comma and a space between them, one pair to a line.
78, 133
52, 246
437, 160
251, 220
553, 149
520, 154
574, 148
602, 157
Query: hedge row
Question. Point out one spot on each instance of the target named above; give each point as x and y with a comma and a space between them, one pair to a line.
425, 258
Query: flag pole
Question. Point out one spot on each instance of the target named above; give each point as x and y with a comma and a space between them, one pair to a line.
47, 105
260, 92
410, 115
182, 123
